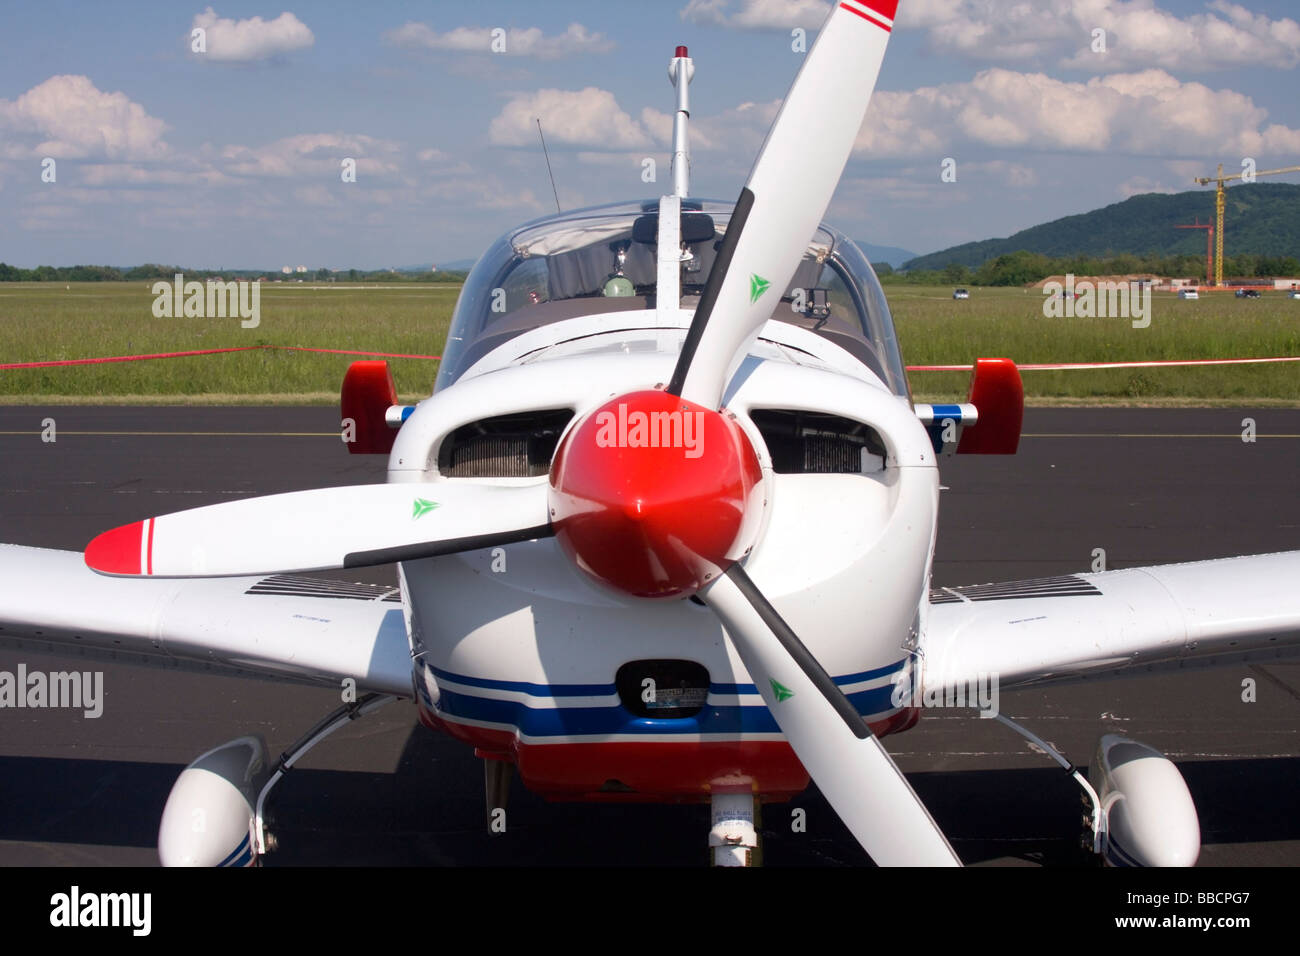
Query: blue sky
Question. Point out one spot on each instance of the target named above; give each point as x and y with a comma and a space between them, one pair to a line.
232, 157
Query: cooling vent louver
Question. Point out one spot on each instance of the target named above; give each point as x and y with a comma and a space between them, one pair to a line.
812, 443
508, 446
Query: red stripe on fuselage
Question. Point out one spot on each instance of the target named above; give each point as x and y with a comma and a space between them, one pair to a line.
632, 771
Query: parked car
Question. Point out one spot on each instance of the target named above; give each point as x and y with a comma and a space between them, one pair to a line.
960, 294
1247, 293
1188, 294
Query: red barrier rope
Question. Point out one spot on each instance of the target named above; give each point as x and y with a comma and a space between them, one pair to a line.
1156, 363
1028, 367
240, 348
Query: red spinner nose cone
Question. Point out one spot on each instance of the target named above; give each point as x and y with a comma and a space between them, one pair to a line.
649, 493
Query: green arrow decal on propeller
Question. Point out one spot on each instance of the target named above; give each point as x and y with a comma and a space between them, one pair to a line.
757, 286
422, 507
782, 693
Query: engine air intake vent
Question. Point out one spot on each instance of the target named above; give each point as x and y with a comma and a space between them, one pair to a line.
508, 446
664, 689
814, 443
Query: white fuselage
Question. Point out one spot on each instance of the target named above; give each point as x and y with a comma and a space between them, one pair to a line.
517, 649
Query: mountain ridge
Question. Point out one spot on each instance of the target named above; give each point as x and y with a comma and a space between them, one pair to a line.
1259, 219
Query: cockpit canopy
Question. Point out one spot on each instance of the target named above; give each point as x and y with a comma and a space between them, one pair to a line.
604, 259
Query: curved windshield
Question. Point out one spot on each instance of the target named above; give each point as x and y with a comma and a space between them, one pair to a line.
604, 260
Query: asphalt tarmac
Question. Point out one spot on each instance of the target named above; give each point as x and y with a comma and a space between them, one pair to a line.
1147, 486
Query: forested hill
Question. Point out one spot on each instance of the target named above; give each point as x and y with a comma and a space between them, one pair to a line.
1260, 219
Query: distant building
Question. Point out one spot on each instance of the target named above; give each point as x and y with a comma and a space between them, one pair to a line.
287, 270
300, 269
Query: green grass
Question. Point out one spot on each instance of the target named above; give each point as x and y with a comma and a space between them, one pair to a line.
934, 329
45, 321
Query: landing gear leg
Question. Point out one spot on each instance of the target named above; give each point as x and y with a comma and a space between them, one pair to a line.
1094, 814
733, 840
336, 719
496, 788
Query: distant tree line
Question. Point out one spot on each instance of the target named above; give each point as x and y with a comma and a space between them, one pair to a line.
152, 270
1020, 268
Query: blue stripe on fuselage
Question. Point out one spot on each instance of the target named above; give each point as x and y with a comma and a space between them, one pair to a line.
615, 719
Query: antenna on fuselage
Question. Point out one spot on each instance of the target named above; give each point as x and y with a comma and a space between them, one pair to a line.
548, 166
681, 68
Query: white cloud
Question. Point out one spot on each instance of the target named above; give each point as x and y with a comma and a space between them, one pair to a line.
739, 130
866, 198
1145, 113
483, 192
1016, 175
252, 39
1139, 34
758, 14
530, 42
63, 217
992, 30
1140, 185
589, 117
312, 155
1144, 35
629, 161
67, 116
316, 195
179, 172
1186, 169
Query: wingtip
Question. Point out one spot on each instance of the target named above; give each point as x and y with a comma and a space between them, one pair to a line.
117, 551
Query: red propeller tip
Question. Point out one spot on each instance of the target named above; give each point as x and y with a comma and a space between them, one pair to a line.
117, 551
681, 51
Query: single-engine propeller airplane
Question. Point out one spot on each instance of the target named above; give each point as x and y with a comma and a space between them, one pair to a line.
663, 532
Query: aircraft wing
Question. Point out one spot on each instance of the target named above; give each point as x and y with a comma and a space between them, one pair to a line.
1084, 626
286, 628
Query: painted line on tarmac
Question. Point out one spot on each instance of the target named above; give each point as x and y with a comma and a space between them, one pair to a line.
1086, 366
1236, 435
175, 434
106, 434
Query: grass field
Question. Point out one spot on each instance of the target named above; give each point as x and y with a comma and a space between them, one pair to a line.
48, 321
934, 329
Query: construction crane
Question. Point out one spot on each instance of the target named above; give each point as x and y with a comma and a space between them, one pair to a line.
1209, 239
1220, 179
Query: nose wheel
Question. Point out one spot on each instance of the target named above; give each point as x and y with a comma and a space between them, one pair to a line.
733, 838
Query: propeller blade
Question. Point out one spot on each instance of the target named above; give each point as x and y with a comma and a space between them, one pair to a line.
786, 197
851, 768
327, 528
